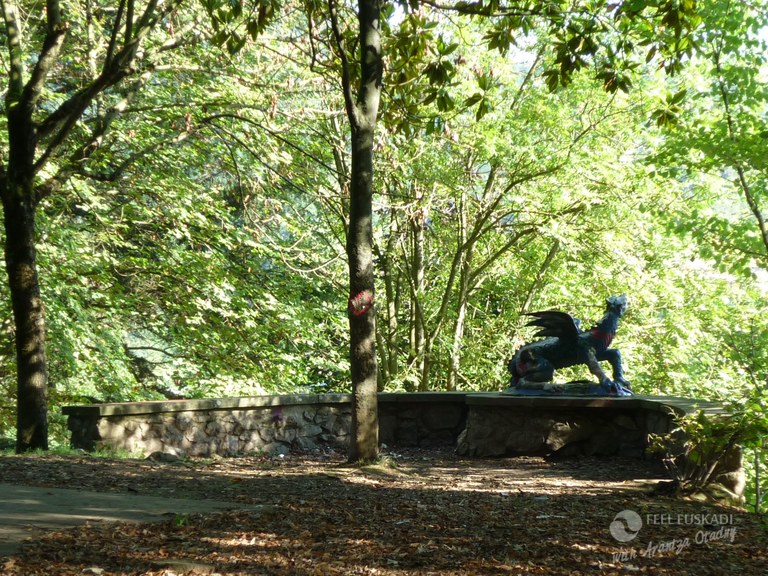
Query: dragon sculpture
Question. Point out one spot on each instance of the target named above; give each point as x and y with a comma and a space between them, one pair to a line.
566, 344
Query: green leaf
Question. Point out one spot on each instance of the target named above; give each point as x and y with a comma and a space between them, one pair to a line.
483, 108
474, 99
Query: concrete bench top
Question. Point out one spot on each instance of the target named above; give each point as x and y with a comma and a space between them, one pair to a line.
655, 403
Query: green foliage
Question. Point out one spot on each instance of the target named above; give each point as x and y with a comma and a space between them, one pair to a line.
756, 468
715, 117
180, 520
230, 30
171, 263
702, 443
195, 246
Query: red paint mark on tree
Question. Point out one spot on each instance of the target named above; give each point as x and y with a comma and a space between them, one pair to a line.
360, 303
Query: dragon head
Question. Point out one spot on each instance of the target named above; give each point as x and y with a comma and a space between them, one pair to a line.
617, 305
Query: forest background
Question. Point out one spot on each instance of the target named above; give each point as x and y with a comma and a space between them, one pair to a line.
195, 245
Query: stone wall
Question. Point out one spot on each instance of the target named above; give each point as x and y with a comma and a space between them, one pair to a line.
426, 419
514, 431
501, 425
477, 425
274, 424
227, 427
566, 426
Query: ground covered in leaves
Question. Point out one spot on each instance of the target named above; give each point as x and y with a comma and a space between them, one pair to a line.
418, 513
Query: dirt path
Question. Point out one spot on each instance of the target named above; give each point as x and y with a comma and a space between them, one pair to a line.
29, 511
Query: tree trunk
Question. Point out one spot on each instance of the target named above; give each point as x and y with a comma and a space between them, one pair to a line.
387, 330
417, 334
19, 205
462, 299
362, 112
29, 318
362, 319
30, 147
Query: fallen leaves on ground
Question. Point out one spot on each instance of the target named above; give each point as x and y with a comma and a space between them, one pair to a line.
423, 513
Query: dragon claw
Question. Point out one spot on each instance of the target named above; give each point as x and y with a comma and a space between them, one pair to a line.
620, 388
624, 382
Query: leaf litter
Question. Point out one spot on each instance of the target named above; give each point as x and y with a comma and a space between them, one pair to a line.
419, 512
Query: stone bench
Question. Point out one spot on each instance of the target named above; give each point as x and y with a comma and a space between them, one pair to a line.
504, 425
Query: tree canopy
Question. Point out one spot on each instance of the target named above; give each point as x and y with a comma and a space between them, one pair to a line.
186, 195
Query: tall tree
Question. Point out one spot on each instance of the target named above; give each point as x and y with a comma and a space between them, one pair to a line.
362, 107
40, 117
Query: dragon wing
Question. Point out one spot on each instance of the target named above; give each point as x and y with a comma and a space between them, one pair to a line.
554, 323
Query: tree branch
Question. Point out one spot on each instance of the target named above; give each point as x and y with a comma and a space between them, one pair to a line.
113, 37
16, 72
63, 119
742, 181
54, 39
346, 80
480, 8
128, 23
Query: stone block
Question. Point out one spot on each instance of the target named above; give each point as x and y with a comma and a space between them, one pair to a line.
340, 441
309, 430
172, 437
567, 432
437, 438
276, 448
442, 416
152, 445
110, 428
637, 437
409, 413
658, 423
407, 433
306, 444
252, 446
292, 417
603, 442
463, 447
625, 422
230, 446
287, 435
729, 472
215, 428
734, 482
207, 448
196, 436
491, 433
343, 425
245, 420
184, 421
267, 435
326, 421
387, 428
529, 439
131, 425
322, 418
